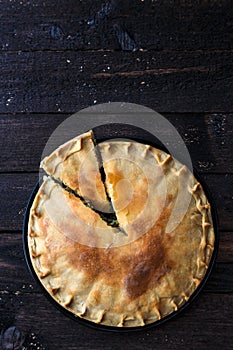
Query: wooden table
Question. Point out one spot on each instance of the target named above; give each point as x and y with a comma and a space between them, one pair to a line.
60, 56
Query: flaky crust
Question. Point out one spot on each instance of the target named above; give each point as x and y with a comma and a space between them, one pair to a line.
130, 280
75, 164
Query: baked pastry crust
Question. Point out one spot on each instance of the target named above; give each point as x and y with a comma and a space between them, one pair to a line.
76, 165
104, 276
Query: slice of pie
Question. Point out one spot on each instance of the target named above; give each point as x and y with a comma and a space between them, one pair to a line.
136, 184
145, 269
76, 165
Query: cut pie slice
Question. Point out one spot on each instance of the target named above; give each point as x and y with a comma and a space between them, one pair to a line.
136, 184
75, 164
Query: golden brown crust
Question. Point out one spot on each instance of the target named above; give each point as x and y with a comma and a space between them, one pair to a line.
112, 279
75, 164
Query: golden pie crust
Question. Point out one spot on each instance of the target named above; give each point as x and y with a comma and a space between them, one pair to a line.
76, 165
141, 272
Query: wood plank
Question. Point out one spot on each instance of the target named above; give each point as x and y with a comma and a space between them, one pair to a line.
15, 191
221, 280
115, 25
15, 276
225, 253
16, 188
25, 132
14, 273
222, 200
68, 81
208, 138
206, 323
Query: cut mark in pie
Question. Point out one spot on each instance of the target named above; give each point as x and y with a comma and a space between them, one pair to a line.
67, 214
135, 183
76, 165
109, 218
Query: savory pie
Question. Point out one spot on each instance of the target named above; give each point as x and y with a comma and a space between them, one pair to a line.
76, 165
134, 272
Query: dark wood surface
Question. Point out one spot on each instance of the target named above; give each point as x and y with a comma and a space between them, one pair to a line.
57, 57
167, 81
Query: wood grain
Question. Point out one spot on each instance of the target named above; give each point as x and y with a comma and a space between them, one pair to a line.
116, 25
206, 323
225, 252
57, 57
68, 81
15, 191
207, 136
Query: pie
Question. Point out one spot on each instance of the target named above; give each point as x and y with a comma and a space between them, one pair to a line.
143, 266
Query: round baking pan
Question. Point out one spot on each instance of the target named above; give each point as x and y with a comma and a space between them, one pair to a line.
102, 133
